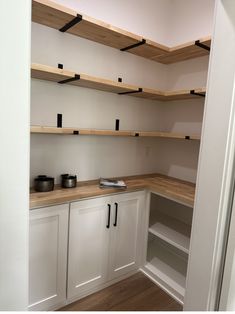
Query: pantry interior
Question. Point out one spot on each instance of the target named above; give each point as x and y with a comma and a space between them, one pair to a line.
158, 96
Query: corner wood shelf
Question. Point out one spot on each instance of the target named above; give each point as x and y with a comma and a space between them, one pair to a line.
77, 131
48, 73
53, 15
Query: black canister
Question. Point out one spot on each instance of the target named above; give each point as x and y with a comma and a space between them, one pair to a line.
68, 181
43, 183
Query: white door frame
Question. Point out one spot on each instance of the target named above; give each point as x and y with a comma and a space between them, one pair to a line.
216, 169
15, 29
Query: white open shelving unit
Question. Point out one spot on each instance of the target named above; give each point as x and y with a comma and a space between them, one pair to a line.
168, 245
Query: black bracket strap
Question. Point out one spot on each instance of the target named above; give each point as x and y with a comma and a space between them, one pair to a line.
192, 92
140, 43
59, 120
187, 137
70, 24
76, 132
199, 44
137, 134
75, 78
140, 90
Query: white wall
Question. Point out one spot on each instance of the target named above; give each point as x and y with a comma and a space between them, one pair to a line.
86, 108
14, 135
198, 14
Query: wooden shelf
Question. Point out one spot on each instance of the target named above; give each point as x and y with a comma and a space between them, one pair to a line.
77, 131
153, 94
48, 73
172, 231
168, 135
167, 266
57, 16
37, 129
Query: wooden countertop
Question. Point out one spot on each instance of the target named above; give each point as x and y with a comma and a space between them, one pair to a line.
175, 189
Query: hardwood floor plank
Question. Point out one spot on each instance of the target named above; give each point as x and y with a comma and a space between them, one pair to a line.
136, 293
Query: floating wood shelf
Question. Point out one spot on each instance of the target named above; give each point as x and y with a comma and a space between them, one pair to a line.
61, 76
66, 20
153, 94
48, 73
77, 131
35, 129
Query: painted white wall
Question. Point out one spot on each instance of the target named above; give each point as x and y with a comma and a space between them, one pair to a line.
198, 14
14, 137
87, 108
216, 168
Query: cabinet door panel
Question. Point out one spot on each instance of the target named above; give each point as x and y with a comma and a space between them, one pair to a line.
125, 236
88, 245
48, 232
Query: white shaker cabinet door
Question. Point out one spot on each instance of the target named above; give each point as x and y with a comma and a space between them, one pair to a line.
126, 234
88, 245
48, 234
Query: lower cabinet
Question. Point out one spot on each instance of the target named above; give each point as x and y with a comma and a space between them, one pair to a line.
88, 245
104, 240
82, 248
48, 229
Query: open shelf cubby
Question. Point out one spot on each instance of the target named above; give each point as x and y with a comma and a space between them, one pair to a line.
64, 19
168, 243
168, 266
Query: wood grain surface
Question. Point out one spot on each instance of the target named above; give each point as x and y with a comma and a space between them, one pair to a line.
53, 15
136, 293
175, 189
48, 73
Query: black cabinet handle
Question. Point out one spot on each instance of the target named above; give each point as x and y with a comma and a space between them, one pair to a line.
109, 213
116, 213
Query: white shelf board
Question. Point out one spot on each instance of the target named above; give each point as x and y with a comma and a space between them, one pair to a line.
168, 266
172, 231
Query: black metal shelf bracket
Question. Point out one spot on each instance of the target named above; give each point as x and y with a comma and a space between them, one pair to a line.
192, 92
70, 24
137, 134
76, 132
117, 125
199, 44
59, 120
187, 137
140, 90
75, 78
140, 43
60, 66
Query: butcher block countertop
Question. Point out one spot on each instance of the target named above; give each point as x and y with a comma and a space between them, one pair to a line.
175, 189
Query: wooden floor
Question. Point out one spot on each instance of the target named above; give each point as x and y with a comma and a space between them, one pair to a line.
136, 293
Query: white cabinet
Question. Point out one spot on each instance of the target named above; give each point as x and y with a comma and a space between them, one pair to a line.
104, 240
88, 245
48, 234
125, 236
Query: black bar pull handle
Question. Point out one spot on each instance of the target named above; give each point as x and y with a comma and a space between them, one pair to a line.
109, 213
116, 213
